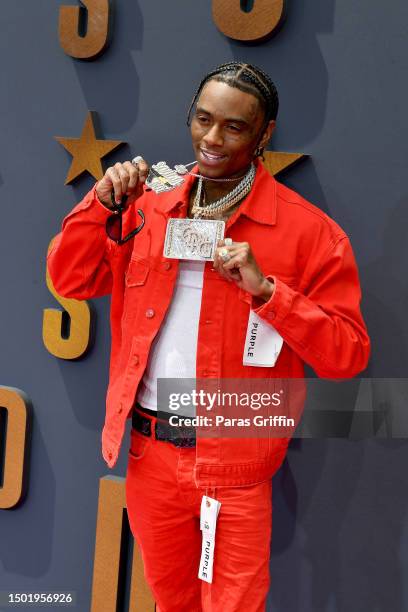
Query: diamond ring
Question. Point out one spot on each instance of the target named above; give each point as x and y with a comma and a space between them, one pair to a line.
225, 256
137, 159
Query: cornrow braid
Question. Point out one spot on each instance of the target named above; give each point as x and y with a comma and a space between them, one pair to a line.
248, 78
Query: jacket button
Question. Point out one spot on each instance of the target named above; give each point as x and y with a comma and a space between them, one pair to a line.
120, 409
136, 360
272, 315
167, 265
150, 313
110, 455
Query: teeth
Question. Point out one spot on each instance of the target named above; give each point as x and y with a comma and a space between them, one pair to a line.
211, 156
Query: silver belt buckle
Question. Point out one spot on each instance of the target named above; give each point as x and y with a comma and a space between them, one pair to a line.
194, 239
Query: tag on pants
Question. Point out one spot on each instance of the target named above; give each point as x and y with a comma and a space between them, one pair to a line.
208, 523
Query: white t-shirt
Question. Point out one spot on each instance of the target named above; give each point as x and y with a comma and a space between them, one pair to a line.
174, 350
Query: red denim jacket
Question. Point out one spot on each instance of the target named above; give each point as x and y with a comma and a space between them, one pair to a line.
315, 305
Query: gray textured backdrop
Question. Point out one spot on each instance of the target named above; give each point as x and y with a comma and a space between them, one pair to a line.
340, 507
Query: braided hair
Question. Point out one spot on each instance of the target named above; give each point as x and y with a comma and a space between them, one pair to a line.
247, 78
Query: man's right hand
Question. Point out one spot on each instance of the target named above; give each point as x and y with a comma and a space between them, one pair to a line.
123, 179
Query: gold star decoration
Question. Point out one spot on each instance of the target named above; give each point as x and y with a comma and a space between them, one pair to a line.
276, 162
87, 151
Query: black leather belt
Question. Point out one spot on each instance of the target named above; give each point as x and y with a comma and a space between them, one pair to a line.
182, 437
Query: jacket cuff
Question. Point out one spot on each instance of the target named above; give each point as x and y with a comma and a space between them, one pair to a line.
92, 203
278, 306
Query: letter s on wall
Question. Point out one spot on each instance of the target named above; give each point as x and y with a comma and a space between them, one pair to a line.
96, 39
255, 25
77, 341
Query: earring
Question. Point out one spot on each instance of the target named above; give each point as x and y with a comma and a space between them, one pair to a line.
259, 152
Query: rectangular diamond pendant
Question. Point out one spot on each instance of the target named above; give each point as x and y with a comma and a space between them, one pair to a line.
192, 238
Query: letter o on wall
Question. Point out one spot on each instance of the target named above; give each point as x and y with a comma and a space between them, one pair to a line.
255, 25
15, 445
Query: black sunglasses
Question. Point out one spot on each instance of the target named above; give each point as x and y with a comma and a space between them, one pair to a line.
114, 222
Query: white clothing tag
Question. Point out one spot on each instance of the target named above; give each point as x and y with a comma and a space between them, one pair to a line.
208, 514
208, 523
262, 343
205, 571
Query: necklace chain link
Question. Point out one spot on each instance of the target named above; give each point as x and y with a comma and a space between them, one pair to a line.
227, 201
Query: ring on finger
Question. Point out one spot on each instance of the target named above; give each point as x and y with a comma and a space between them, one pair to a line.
228, 241
137, 160
225, 256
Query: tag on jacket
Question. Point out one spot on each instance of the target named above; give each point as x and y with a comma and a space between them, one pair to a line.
262, 343
208, 524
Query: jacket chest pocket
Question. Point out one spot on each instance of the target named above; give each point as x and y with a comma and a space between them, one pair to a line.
136, 277
137, 273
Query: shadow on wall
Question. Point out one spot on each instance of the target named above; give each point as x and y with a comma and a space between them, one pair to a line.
302, 85
370, 577
87, 399
386, 310
31, 523
338, 516
346, 553
346, 556
293, 59
317, 523
118, 110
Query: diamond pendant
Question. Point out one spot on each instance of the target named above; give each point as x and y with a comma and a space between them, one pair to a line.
163, 178
193, 239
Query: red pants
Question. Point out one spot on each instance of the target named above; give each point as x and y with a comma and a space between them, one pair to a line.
163, 504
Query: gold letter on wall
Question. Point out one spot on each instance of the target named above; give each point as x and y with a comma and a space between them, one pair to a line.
96, 38
14, 445
254, 25
77, 314
109, 547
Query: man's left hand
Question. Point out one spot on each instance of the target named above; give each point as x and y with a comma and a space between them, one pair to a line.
235, 262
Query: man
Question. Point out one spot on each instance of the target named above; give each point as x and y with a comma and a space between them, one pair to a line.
282, 259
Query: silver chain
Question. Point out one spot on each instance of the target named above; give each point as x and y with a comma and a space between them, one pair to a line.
227, 201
